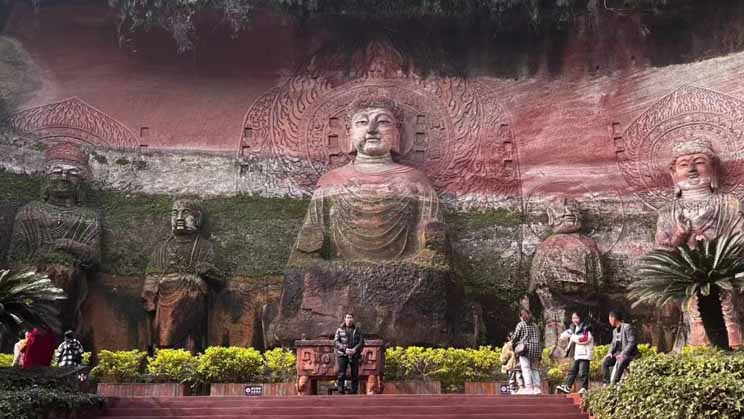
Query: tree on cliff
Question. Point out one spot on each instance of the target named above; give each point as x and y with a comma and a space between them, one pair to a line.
28, 300
684, 275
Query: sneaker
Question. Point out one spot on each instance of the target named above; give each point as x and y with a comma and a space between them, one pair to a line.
523, 392
582, 391
536, 391
563, 389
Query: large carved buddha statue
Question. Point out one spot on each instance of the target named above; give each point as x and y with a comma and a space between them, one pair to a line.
566, 270
373, 243
178, 279
57, 235
699, 211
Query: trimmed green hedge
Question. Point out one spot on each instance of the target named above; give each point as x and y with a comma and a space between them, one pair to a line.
450, 366
215, 365
37, 393
696, 384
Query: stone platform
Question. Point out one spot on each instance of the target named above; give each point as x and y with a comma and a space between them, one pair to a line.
452, 406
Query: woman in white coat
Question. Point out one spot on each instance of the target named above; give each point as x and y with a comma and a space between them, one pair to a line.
583, 342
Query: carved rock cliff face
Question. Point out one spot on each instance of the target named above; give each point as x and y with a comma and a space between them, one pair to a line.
594, 120
396, 301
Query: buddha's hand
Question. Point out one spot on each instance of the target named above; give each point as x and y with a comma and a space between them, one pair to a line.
682, 230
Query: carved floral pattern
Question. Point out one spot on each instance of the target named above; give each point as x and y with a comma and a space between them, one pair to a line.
74, 120
453, 130
644, 150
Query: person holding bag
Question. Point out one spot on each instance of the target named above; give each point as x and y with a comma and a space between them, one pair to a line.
580, 338
529, 351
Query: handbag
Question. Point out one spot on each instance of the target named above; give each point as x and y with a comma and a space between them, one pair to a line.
520, 349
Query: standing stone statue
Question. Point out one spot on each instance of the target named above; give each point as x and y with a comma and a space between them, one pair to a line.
566, 271
699, 211
373, 243
58, 235
178, 279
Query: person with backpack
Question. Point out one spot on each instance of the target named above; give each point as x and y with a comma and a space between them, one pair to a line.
528, 348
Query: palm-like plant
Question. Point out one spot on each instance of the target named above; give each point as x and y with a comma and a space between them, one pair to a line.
28, 300
682, 274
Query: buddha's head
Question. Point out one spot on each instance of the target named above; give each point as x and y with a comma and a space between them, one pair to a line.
66, 170
694, 165
186, 217
564, 215
374, 127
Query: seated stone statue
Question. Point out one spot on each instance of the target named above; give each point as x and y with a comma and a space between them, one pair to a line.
58, 235
699, 211
373, 243
178, 279
566, 269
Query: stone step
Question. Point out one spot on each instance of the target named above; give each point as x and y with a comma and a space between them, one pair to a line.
384, 415
217, 409
381, 400
451, 406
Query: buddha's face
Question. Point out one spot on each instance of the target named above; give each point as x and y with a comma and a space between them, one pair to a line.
563, 216
692, 171
374, 131
64, 179
184, 219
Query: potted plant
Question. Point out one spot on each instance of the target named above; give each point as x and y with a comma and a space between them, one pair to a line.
230, 371
411, 370
484, 376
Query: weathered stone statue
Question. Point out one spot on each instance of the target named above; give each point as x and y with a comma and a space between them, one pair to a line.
699, 211
566, 269
178, 279
58, 235
373, 243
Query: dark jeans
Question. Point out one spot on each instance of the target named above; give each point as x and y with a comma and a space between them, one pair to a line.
607, 365
341, 363
580, 367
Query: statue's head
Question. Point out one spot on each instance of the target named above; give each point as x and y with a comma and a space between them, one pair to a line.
374, 126
564, 215
186, 217
66, 169
694, 165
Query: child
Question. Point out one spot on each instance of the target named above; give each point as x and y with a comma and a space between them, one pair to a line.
510, 366
581, 338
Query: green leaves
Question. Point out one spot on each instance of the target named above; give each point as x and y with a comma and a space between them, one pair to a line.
676, 276
451, 366
699, 383
29, 299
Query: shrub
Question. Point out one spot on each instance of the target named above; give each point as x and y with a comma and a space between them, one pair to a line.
451, 366
42, 402
6, 360
171, 365
704, 384
280, 365
119, 367
230, 365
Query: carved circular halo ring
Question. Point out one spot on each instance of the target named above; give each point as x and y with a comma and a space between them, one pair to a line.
645, 156
424, 130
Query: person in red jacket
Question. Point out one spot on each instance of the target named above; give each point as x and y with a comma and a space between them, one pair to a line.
39, 349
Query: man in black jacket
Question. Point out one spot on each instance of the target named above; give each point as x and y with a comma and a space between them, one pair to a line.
623, 350
349, 344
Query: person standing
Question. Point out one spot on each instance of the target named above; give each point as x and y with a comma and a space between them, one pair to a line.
580, 337
349, 344
39, 349
70, 352
19, 348
623, 350
527, 339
